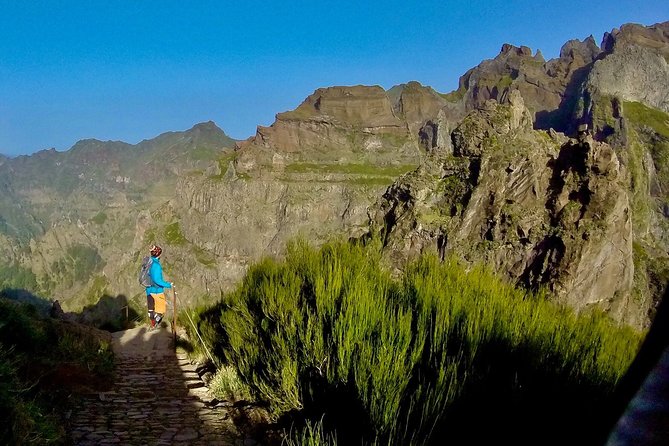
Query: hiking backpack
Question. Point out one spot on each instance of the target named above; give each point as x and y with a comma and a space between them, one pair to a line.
144, 276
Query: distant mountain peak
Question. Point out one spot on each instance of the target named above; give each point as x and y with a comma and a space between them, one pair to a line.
207, 125
85, 143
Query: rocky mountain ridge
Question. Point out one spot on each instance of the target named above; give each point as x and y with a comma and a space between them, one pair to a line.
493, 172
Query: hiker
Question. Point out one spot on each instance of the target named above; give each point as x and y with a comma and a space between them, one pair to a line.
155, 295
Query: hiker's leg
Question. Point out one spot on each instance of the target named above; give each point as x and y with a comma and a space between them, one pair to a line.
150, 304
160, 306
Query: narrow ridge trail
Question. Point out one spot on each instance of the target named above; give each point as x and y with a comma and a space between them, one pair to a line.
157, 398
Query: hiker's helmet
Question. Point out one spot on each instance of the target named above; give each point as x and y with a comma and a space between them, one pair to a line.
156, 251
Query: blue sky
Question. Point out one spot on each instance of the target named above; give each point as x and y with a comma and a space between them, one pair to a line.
130, 70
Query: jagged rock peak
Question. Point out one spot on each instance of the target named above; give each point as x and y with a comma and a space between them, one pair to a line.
44, 154
634, 69
412, 86
519, 51
512, 55
539, 56
586, 49
416, 103
514, 68
209, 132
473, 135
655, 36
207, 126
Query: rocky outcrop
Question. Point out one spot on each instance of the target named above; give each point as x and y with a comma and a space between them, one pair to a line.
624, 101
490, 121
416, 104
566, 227
356, 118
546, 87
655, 37
549, 88
635, 68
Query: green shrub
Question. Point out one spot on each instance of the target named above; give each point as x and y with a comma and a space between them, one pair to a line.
415, 360
95, 355
99, 218
312, 434
227, 385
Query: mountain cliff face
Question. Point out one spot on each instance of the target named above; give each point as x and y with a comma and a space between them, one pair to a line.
493, 172
546, 210
584, 217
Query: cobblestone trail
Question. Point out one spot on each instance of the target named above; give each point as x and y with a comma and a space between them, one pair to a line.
157, 399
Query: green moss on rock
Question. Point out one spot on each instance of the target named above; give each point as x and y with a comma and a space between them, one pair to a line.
99, 218
642, 115
173, 234
455, 95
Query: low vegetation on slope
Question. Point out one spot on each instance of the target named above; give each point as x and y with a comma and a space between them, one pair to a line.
43, 362
332, 343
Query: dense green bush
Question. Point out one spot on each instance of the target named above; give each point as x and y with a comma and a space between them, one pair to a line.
442, 353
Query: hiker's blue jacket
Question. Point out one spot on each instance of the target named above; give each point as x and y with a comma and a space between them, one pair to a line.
156, 274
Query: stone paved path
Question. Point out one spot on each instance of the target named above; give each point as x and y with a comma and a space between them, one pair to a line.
157, 399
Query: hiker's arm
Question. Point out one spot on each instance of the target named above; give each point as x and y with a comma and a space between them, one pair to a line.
157, 278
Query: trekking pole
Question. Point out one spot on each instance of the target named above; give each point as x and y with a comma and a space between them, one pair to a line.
174, 314
197, 332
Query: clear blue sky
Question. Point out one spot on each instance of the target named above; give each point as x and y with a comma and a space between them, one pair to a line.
130, 70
